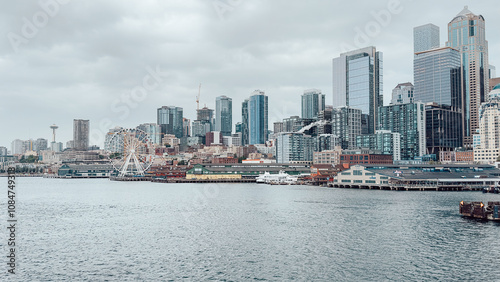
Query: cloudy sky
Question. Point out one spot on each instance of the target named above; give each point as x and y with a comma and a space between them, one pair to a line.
116, 62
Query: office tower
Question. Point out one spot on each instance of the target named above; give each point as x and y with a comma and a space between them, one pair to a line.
200, 128
385, 141
153, 130
466, 33
278, 127
326, 116
186, 127
425, 37
409, 121
293, 147
3, 151
443, 128
313, 102
358, 83
437, 77
346, 124
257, 118
81, 134
170, 120
213, 138
488, 148
206, 114
117, 141
224, 115
492, 73
17, 147
403, 94
292, 124
244, 123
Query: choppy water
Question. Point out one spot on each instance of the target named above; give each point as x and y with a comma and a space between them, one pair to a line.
99, 230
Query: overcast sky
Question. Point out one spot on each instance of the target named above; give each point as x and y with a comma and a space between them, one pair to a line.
82, 59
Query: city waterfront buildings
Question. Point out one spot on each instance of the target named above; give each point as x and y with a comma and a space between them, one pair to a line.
294, 146
346, 124
425, 37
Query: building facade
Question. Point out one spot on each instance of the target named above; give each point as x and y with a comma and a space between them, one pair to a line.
257, 118
425, 37
489, 129
387, 142
153, 130
346, 124
81, 134
403, 94
443, 128
409, 121
224, 115
313, 102
170, 120
466, 33
293, 146
358, 83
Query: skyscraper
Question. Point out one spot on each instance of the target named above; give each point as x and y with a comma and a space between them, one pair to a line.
224, 115
257, 118
487, 151
169, 118
358, 83
244, 123
425, 37
346, 124
80, 134
313, 102
466, 33
153, 130
294, 146
437, 77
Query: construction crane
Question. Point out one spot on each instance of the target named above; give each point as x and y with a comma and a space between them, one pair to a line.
198, 98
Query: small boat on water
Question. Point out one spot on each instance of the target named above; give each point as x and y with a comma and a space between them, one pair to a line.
480, 211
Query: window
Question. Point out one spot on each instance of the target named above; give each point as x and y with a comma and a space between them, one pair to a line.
369, 181
358, 181
346, 181
370, 174
357, 172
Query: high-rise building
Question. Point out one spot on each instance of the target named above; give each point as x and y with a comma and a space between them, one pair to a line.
186, 127
200, 128
492, 73
443, 128
313, 102
213, 138
346, 124
224, 115
403, 94
358, 83
292, 124
385, 141
81, 134
244, 123
466, 33
205, 114
437, 76
409, 121
153, 130
278, 127
294, 146
3, 151
40, 144
257, 118
425, 37
17, 147
325, 142
170, 120
488, 149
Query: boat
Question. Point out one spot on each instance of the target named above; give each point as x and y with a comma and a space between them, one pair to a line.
478, 210
281, 178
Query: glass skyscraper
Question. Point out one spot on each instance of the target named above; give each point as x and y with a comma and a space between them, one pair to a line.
358, 82
257, 118
313, 102
224, 115
169, 118
425, 37
437, 77
244, 123
466, 33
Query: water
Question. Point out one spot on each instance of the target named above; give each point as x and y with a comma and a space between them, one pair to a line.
100, 230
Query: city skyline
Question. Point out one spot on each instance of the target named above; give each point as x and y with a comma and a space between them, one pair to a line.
49, 73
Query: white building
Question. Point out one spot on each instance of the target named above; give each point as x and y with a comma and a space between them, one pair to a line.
489, 129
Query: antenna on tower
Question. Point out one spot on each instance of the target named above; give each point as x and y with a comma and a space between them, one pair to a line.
198, 98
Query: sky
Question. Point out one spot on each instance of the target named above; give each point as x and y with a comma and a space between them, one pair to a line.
115, 62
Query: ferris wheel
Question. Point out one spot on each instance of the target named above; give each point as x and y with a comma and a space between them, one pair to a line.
130, 152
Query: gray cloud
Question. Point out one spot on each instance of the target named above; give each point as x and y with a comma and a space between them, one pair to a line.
90, 54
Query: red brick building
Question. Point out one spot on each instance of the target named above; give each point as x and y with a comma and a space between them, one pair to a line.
366, 159
224, 161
